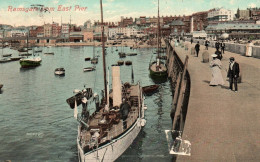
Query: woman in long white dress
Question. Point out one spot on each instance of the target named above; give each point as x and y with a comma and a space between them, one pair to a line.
215, 66
249, 49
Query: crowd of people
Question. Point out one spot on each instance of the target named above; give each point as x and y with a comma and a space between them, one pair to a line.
216, 65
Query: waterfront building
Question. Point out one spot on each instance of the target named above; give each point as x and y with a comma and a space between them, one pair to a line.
47, 29
235, 30
19, 32
220, 14
65, 29
88, 35
55, 29
76, 37
40, 31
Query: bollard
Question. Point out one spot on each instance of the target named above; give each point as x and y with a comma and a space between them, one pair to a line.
192, 51
205, 57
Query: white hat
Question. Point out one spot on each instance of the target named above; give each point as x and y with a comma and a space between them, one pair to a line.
214, 55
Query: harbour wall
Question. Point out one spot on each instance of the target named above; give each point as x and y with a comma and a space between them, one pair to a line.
180, 83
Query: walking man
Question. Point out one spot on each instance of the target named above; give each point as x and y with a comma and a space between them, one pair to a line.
191, 41
233, 73
197, 48
222, 45
207, 44
217, 44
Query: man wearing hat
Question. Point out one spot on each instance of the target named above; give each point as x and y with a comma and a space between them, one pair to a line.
233, 73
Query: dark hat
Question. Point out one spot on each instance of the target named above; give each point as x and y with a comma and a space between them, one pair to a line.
232, 58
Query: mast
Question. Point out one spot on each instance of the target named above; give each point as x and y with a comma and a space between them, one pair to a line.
158, 32
103, 51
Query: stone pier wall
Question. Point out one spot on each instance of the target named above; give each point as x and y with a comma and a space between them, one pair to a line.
232, 47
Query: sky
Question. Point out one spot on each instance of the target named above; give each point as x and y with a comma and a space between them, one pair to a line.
113, 9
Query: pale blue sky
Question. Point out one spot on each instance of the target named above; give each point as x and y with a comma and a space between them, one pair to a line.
113, 9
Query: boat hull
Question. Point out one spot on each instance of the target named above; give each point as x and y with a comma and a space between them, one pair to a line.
158, 74
111, 151
26, 63
59, 72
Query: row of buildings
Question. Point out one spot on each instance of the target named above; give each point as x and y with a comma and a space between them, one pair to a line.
214, 22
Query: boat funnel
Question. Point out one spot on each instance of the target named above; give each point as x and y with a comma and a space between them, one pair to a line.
116, 83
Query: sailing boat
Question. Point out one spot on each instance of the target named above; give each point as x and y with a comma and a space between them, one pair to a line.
157, 68
31, 61
94, 60
110, 130
4, 60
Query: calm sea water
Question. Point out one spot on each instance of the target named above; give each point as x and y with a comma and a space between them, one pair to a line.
37, 124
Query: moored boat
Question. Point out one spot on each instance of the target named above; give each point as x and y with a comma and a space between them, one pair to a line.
7, 55
59, 71
1, 86
87, 69
4, 60
30, 62
25, 54
131, 54
49, 53
150, 89
120, 62
15, 58
94, 60
158, 69
87, 59
37, 51
128, 63
119, 117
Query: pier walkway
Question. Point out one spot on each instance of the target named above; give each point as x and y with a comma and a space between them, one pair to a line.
222, 126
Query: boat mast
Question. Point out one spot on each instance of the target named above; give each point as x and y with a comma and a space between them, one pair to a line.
103, 52
158, 33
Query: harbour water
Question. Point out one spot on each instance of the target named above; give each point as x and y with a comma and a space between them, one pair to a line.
37, 124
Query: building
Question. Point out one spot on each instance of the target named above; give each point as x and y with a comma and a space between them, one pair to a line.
255, 13
65, 30
55, 29
235, 30
40, 31
126, 21
220, 14
47, 30
87, 24
243, 14
88, 35
200, 20
33, 31
178, 28
76, 37
19, 32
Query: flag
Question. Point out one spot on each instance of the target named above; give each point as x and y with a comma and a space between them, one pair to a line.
75, 110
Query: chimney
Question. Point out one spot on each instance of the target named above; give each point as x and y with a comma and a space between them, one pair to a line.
116, 83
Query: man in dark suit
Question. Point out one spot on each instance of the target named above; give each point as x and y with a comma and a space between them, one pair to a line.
217, 44
207, 44
222, 45
233, 73
197, 48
